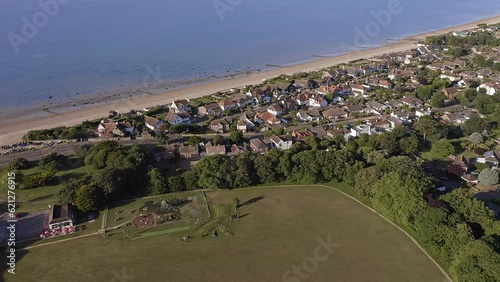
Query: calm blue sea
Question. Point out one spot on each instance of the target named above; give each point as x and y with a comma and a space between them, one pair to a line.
60, 48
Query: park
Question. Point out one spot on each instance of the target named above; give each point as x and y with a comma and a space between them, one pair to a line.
280, 233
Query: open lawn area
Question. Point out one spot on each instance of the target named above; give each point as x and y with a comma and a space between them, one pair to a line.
280, 228
39, 198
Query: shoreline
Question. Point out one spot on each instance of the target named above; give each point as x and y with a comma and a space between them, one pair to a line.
17, 122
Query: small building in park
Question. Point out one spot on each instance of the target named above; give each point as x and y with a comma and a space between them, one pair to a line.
61, 216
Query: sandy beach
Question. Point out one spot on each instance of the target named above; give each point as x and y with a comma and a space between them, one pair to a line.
19, 121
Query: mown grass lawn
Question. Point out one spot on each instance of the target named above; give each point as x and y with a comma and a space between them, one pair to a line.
280, 227
39, 198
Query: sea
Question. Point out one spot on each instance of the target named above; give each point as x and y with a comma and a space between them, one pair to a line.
58, 50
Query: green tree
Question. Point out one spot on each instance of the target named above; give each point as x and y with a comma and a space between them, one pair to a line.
476, 262
176, 183
409, 145
475, 124
194, 140
437, 100
18, 164
158, 184
430, 129
218, 140
88, 198
236, 137
443, 148
67, 193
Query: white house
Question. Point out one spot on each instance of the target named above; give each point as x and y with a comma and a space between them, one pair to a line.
281, 142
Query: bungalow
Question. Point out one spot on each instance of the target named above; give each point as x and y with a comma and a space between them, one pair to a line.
412, 102
382, 124
258, 146
376, 107
344, 132
281, 142
123, 129
450, 76
312, 115
490, 158
152, 123
227, 105
181, 105
470, 178
468, 74
456, 118
236, 150
61, 216
354, 108
362, 129
483, 73
213, 150
334, 113
302, 134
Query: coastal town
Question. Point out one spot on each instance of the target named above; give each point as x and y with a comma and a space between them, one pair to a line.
433, 109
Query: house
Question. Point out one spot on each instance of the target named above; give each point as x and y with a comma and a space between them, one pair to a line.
173, 118
260, 96
302, 99
317, 100
382, 125
227, 105
490, 158
422, 112
311, 115
483, 73
385, 84
213, 150
212, 109
412, 101
266, 118
123, 129
456, 118
236, 150
334, 113
354, 108
344, 132
220, 125
362, 129
153, 123
302, 134
258, 146
376, 107
181, 105
451, 92
245, 124
276, 109
190, 153
358, 89
281, 142
353, 72
105, 128
61, 216
450, 76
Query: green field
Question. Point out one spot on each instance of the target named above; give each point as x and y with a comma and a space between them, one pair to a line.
279, 228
